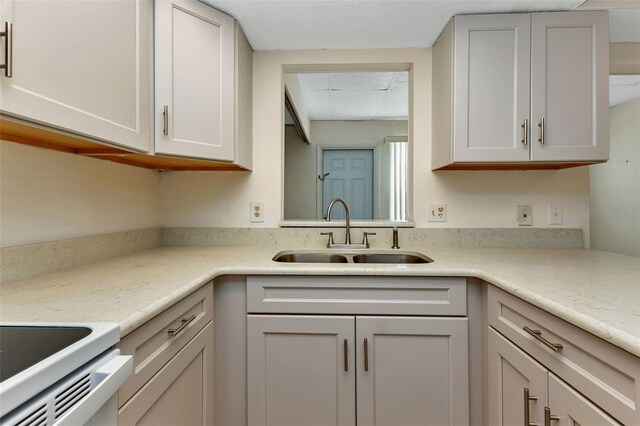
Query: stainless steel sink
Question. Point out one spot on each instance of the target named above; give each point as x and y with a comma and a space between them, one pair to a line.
382, 257
310, 257
394, 258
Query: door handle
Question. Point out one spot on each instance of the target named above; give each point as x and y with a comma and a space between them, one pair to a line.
537, 334
184, 323
165, 120
366, 354
541, 125
346, 355
527, 416
548, 417
8, 49
525, 127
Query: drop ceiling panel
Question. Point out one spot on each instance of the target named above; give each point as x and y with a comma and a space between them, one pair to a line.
318, 104
356, 95
623, 88
314, 81
361, 80
356, 104
395, 106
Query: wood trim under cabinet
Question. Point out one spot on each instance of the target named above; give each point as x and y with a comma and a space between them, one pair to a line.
514, 166
34, 135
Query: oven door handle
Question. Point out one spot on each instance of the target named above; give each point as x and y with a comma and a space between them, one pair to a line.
109, 377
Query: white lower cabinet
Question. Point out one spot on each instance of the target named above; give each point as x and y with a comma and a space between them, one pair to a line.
315, 370
570, 408
522, 391
412, 371
301, 370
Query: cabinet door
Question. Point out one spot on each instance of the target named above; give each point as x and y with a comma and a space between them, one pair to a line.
513, 373
194, 60
412, 371
571, 408
81, 66
491, 94
569, 86
181, 393
300, 370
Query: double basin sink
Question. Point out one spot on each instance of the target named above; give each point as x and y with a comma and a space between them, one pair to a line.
385, 257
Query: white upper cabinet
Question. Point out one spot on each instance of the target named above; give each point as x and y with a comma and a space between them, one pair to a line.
526, 90
80, 66
570, 86
491, 95
196, 78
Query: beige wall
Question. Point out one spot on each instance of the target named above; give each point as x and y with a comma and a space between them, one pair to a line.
474, 199
615, 186
296, 96
299, 177
48, 195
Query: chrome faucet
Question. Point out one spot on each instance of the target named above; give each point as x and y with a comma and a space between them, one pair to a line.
347, 237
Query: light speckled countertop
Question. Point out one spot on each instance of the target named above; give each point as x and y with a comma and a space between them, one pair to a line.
596, 291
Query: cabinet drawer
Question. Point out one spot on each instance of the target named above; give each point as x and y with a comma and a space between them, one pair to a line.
357, 295
152, 346
607, 375
182, 391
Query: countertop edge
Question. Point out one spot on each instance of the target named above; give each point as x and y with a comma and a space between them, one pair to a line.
606, 332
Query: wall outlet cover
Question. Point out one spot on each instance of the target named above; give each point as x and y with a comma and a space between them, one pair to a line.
525, 216
437, 212
555, 214
257, 212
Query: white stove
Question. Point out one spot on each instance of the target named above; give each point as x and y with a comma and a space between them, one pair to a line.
60, 374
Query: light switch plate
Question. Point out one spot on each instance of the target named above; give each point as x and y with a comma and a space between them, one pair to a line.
555, 214
257, 212
525, 216
437, 212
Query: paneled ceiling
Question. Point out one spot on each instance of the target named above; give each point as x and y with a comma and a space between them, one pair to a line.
356, 95
349, 24
623, 88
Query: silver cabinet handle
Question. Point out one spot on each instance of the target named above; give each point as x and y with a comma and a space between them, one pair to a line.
346, 355
541, 125
366, 354
173, 332
537, 334
165, 120
527, 416
8, 49
548, 417
525, 127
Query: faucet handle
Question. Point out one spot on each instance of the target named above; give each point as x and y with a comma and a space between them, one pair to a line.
330, 234
365, 238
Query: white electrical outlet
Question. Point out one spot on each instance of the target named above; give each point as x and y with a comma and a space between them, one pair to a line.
555, 214
437, 212
525, 216
257, 212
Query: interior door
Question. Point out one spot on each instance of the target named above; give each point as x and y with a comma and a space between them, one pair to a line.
514, 375
300, 370
81, 66
569, 86
350, 177
194, 109
573, 409
412, 371
492, 75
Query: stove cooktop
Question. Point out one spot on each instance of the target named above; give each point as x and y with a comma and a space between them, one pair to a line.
24, 346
